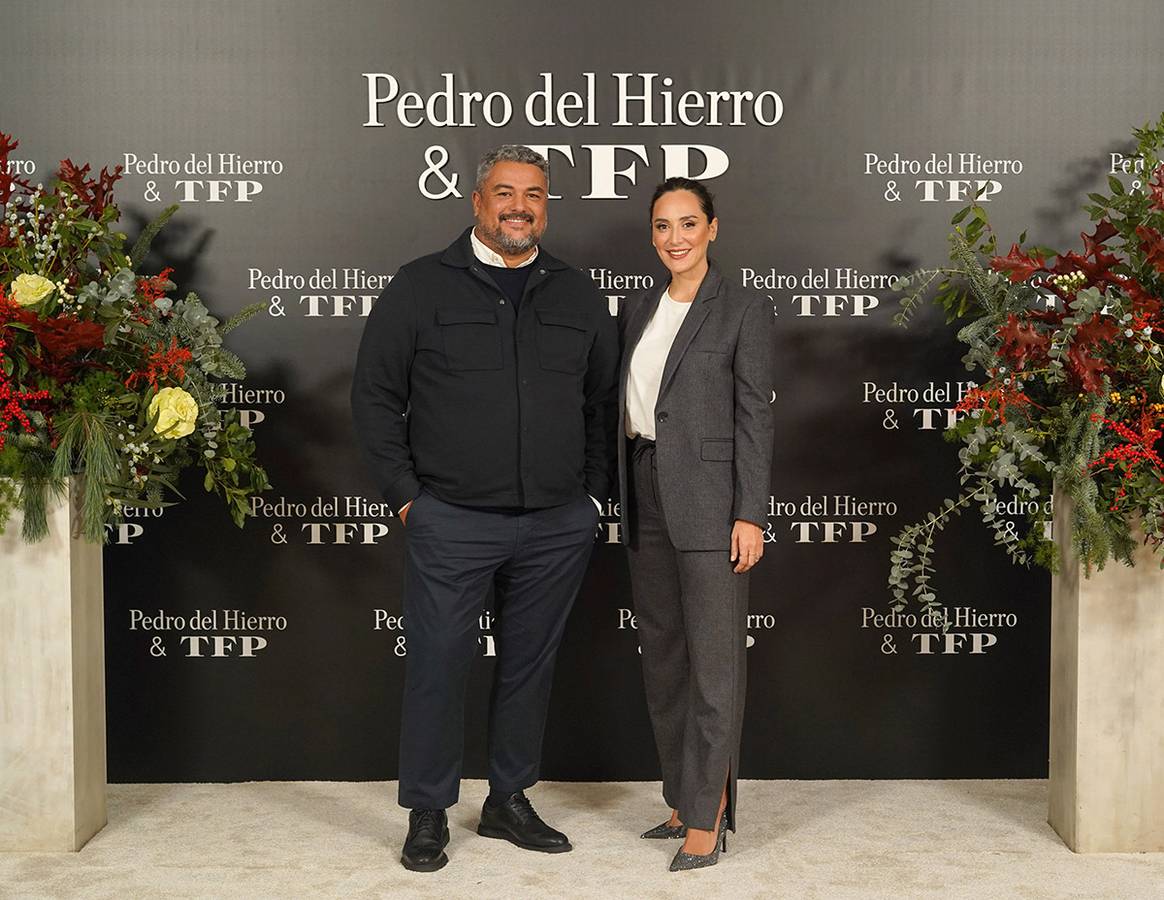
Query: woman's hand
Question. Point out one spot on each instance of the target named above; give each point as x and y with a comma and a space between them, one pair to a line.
747, 545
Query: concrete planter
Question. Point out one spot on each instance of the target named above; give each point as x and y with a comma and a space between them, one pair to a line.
1107, 701
52, 688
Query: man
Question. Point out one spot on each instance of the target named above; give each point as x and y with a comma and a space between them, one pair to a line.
484, 400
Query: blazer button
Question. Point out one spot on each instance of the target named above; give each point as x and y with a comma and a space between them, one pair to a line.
501, 302
662, 417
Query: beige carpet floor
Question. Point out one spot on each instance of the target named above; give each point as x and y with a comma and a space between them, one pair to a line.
814, 839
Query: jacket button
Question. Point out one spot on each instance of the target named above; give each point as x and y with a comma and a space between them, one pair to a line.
541, 271
662, 417
501, 302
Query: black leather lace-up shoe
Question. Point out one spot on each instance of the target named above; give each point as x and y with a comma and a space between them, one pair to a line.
514, 820
428, 835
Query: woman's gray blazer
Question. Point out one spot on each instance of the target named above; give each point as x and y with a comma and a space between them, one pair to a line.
713, 419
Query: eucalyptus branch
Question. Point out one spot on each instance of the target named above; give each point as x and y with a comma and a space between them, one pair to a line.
920, 537
916, 285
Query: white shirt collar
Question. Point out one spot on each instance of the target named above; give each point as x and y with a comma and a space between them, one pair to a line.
491, 258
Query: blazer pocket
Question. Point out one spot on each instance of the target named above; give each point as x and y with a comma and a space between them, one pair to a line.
563, 342
718, 450
471, 338
711, 362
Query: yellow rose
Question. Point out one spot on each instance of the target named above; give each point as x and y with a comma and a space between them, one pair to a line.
30, 289
176, 411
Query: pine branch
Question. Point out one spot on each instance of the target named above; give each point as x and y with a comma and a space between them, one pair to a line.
241, 316
86, 445
142, 246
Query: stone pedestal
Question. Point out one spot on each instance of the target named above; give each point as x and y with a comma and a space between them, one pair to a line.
1107, 701
52, 689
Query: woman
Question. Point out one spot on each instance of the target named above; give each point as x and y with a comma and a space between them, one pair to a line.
694, 397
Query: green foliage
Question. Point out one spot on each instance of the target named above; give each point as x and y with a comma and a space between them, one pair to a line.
9, 495
138, 254
231, 470
244, 314
35, 489
1069, 348
87, 445
961, 288
114, 381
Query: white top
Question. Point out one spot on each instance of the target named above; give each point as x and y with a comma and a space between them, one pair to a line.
646, 365
491, 257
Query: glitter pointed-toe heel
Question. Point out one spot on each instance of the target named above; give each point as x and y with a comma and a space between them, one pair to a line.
684, 861
666, 831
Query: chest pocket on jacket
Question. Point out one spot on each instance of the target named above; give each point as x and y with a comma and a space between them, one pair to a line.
563, 342
471, 338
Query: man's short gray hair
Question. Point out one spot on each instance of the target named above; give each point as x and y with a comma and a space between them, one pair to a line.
510, 153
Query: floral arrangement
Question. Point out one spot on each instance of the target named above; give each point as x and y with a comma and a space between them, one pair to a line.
1067, 346
103, 374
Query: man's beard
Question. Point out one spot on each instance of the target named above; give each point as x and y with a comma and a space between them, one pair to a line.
508, 243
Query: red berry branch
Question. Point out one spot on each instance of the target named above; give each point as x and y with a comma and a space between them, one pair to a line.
1137, 449
10, 398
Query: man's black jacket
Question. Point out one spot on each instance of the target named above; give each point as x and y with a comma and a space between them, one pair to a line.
450, 393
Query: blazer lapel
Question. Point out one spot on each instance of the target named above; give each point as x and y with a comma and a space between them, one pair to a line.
691, 324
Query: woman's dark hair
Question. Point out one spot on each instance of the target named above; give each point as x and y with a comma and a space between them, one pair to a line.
679, 183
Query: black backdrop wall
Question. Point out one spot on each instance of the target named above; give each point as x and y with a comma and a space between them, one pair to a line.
308, 172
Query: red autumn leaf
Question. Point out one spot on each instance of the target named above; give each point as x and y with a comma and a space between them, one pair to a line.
1096, 271
1143, 303
1153, 246
95, 193
7, 180
1091, 242
1020, 341
1087, 369
1095, 330
1095, 264
1157, 188
1017, 264
1082, 358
